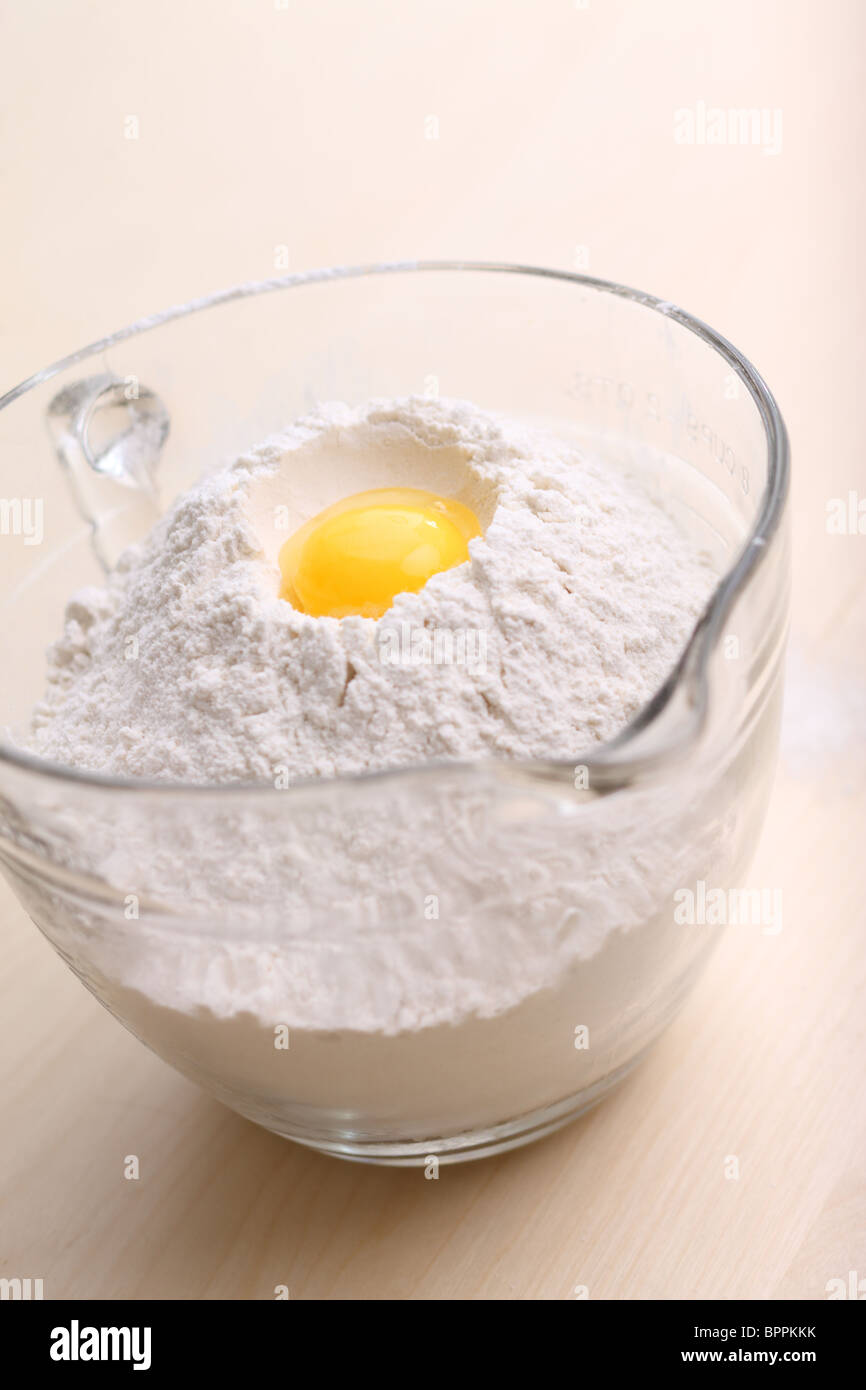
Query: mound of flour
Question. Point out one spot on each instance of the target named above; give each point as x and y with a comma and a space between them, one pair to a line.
571, 611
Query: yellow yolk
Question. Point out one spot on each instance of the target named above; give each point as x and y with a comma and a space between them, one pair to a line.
356, 556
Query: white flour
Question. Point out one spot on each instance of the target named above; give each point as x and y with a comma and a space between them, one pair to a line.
572, 610
312, 908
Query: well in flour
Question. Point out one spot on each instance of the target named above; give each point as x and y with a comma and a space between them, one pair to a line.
574, 605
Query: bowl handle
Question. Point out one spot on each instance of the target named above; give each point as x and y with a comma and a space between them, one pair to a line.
109, 433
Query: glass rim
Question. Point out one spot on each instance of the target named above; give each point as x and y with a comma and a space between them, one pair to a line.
608, 765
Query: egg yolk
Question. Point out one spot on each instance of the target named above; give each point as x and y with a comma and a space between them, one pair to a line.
357, 555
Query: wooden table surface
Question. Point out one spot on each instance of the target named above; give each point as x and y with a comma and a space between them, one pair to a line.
262, 127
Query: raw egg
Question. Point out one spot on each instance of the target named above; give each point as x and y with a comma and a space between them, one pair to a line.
357, 555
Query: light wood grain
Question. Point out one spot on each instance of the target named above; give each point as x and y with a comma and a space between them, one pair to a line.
261, 128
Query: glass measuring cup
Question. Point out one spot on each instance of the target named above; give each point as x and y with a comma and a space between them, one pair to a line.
566, 885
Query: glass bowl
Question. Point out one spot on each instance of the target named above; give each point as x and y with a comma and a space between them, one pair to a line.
466, 1011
